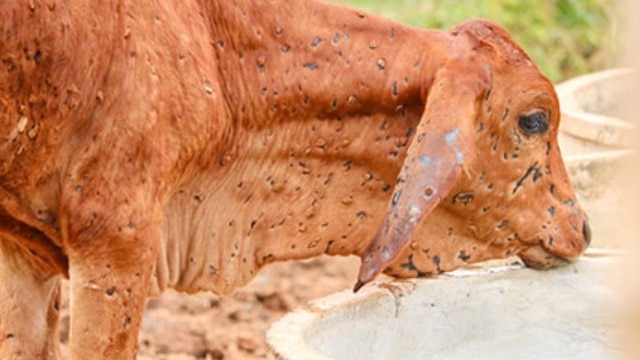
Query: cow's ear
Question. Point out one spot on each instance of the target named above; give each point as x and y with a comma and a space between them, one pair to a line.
442, 144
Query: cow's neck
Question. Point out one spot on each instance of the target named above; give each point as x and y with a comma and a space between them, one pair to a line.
324, 106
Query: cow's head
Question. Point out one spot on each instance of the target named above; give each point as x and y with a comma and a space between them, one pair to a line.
483, 176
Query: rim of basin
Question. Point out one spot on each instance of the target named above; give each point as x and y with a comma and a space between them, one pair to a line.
580, 122
286, 338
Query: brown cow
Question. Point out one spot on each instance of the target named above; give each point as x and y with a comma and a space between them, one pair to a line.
185, 144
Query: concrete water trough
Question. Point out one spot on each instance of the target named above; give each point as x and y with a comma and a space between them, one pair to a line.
498, 310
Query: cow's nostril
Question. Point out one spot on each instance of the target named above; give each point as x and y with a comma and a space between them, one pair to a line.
586, 232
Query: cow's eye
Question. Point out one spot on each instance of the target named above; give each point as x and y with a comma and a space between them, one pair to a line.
534, 123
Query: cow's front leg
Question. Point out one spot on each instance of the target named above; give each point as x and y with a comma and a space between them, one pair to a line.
110, 263
29, 306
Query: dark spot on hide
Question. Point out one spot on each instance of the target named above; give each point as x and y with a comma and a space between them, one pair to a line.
396, 197
496, 142
428, 191
505, 114
36, 56
503, 224
310, 66
552, 211
261, 60
409, 132
316, 41
251, 226
436, 261
329, 243
464, 197
533, 169
462, 255
488, 94
313, 243
347, 165
512, 237
267, 258
409, 264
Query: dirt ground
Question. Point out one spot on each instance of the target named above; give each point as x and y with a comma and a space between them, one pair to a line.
206, 326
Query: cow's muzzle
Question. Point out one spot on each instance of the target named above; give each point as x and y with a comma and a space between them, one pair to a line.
543, 256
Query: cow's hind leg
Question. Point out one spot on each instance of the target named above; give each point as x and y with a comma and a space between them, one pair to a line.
29, 306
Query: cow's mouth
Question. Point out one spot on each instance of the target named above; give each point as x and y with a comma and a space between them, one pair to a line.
546, 255
537, 257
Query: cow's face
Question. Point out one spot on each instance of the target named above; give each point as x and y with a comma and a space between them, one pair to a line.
522, 196
483, 176
515, 194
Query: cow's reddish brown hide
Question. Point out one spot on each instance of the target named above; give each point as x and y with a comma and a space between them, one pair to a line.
186, 144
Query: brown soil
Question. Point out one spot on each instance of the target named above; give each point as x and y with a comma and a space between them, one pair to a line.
205, 326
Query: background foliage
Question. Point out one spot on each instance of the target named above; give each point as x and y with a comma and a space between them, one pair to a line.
565, 37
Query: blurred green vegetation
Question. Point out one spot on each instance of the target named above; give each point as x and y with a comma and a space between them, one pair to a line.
564, 37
